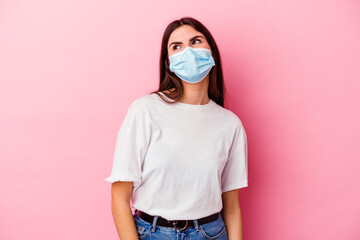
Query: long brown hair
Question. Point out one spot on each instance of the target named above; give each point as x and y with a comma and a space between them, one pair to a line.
169, 80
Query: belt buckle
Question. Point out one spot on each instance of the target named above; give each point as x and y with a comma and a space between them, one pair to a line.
174, 223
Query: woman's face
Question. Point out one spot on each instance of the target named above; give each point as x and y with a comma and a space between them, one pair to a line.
186, 36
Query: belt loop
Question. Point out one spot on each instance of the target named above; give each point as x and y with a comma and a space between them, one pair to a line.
154, 223
196, 225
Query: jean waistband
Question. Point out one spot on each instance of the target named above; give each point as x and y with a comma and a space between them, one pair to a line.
178, 224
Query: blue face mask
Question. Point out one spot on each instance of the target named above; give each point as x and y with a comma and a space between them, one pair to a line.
192, 64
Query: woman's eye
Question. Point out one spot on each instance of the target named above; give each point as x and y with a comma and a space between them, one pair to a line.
174, 47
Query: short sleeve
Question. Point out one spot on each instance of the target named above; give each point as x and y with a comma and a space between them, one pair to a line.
235, 172
131, 145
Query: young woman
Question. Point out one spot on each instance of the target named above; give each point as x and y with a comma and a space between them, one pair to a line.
180, 156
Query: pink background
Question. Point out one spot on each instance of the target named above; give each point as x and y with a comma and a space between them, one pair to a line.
70, 69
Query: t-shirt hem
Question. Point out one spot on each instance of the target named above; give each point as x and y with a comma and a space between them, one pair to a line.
122, 178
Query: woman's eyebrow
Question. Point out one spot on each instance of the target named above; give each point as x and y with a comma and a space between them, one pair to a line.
191, 39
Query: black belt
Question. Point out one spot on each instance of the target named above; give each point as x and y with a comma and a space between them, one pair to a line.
178, 224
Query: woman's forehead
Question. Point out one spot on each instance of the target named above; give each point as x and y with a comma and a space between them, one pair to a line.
184, 32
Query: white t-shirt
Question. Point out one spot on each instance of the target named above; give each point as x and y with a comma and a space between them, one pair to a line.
180, 156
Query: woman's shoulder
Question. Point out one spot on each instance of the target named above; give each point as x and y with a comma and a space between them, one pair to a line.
144, 99
142, 103
231, 117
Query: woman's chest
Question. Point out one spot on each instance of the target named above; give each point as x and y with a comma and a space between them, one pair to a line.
197, 142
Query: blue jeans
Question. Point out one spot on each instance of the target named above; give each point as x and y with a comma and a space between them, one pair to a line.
210, 231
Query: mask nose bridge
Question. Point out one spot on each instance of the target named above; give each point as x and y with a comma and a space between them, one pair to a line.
186, 52
183, 52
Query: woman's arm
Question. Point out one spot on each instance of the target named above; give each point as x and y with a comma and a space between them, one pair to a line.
232, 214
121, 211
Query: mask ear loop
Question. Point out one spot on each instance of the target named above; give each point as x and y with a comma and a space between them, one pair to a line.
167, 64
